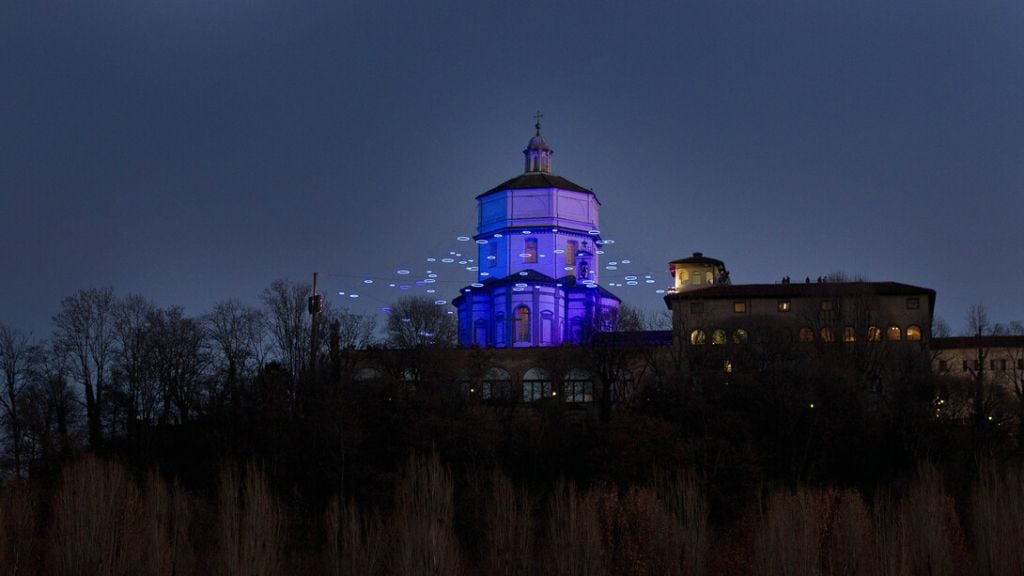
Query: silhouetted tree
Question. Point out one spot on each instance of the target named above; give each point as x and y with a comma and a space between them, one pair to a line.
237, 334
419, 322
85, 332
288, 322
17, 354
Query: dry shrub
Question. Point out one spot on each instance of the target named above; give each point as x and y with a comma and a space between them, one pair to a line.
573, 543
165, 529
97, 522
251, 524
997, 521
640, 535
919, 534
510, 530
19, 525
424, 540
789, 535
848, 545
356, 542
684, 498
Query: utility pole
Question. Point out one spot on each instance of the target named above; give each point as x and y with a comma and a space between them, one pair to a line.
316, 307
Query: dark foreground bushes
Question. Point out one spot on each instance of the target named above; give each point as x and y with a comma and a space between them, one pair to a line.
100, 518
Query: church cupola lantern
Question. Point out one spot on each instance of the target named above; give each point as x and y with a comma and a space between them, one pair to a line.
538, 153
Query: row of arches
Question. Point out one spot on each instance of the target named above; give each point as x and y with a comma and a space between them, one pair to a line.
576, 385
828, 334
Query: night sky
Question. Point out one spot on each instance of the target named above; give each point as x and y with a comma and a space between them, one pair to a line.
196, 150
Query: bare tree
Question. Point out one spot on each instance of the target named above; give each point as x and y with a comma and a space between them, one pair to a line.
134, 383
354, 330
16, 358
419, 322
85, 332
236, 332
288, 323
180, 358
51, 408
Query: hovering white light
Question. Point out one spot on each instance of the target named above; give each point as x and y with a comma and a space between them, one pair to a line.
492, 257
429, 281
463, 238
403, 272
631, 283
392, 285
431, 275
570, 268
341, 293
559, 285
593, 232
524, 273
520, 285
431, 259
613, 263
625, 261
447, 260
608, 242
497, 236
600, 251
463, 262
476, 285
481, 241
524, 255
611, 268
472, 268
431, 291
485, 273
659, 291
353, 295
649, 281
630, 278
367, 281
440, 302
554, 229
558, 251
527, 232
591, 285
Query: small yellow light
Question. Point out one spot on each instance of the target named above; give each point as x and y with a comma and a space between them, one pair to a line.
812, 405
990, 418
554, 393
471, 390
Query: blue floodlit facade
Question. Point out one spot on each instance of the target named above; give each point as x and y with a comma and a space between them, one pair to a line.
538, 241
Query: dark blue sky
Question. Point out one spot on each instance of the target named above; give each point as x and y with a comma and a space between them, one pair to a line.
196, 150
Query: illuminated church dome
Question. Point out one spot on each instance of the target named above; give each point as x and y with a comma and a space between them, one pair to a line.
538, 242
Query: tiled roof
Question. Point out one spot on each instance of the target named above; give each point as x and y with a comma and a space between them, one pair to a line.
537, 180
801, 290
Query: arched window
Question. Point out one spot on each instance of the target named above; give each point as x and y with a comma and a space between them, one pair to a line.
914, 332
480, 332
536, 385
697, 337
874, 334
530, 251
849, 334
366, 375
683, 277
571, 248
893, 333
828, 334
578, 386
496, 385
806, 334
718, 337
740, 336
522, 324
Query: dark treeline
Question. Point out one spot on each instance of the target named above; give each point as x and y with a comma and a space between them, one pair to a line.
228, 439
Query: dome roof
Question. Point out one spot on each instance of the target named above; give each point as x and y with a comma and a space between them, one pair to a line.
538, 143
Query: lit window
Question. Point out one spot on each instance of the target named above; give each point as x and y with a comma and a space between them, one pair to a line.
718, 337
828, 334
727, 367
739, 307
536, 385
849, 334
826, 305
806, 334
913, 332
530, 253
739, 336
697, 337
522, 324
893, 333
571, 248
874, 334
783, 305
683, 278
913, 303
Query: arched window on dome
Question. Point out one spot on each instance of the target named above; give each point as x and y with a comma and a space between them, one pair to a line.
893, 333
697, 337
522, 324
874, 334
530, 251
740, 336
849, 334
828, 334
914, 333
718, 337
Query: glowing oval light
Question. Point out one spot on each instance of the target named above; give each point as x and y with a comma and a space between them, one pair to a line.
526, 232
485, 273
429, 281
477, 285
403, 272
440, 302
497, 236
558, 251
524, 255
659, 291
611, 268
626, 261
630, 278
524, 273
447, 260
554, 229
431, 259
431, 275
385, 308
632, 283
570, 268
341, 293
613, 263
431, 291
492, 257
649, 281
600, 251
367, 281
520, 285
463, 262
353, 295
593, 232
472, 268
591, 285
392, 285
608, 242
481, 241
458, 254
463, 238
